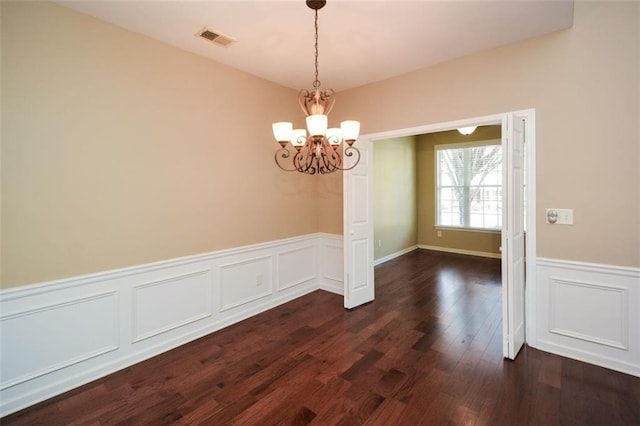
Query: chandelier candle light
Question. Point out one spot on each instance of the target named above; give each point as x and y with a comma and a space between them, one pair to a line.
317, 152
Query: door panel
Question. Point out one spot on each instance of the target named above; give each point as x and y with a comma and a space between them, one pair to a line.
513, 237
359, 258
358, 229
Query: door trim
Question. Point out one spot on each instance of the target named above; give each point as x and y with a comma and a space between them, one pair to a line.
530, 172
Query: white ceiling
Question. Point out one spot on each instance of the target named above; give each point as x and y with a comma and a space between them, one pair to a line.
360, 41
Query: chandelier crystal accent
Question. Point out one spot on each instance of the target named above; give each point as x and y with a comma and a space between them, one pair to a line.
317, 152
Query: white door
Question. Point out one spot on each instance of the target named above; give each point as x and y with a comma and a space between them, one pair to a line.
358, 229
513, 236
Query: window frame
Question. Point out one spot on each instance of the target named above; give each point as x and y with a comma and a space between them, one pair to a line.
459, 145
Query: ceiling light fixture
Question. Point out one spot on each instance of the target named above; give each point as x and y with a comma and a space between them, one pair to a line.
467, 130
318, 152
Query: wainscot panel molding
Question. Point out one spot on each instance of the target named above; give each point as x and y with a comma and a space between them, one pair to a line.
331, 263
59, 335
238, 286
290, 273
95, 336
166, 304
590, 312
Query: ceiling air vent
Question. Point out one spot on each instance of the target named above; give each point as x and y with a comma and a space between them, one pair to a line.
216, 38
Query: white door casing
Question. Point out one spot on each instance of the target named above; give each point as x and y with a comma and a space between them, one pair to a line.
358, 229
513, 236
356, 266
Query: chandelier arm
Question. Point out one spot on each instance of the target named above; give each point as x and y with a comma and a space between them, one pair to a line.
350, 151
328, 166
296, 161
322, 164
309, 167
331, 161
310, 156
304, 160
283, 153
330, 157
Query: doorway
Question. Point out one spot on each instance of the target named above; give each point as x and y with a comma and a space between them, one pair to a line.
358, 221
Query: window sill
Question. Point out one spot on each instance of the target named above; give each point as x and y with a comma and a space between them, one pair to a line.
459, 228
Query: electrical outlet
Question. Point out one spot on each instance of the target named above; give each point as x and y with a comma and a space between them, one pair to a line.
379, 243
258, 279
439, 233
565, 216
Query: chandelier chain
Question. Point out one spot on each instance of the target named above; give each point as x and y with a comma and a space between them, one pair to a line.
316, 82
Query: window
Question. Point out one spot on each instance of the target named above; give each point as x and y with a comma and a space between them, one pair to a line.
469, 185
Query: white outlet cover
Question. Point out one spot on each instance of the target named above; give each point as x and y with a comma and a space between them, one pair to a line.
564, 216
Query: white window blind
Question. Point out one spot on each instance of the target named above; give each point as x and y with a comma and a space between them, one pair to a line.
469, 185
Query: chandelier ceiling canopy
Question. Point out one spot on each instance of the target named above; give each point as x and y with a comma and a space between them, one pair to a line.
317, 152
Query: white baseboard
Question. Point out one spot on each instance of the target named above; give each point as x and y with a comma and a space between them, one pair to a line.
589, 312
332, 287
394, 255
589, 357
59, 335
461, 251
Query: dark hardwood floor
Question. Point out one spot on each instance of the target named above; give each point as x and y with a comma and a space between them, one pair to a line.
427, 351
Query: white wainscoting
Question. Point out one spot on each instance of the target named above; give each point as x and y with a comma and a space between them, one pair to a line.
290, 272
160, 306
59, 335
590, 312
332, 263
245, 281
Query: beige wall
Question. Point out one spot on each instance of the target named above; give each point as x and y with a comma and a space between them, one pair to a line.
487, 242
584, 84
118, 150
329, 198
394, 203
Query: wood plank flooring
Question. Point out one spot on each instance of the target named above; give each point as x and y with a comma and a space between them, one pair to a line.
427, 351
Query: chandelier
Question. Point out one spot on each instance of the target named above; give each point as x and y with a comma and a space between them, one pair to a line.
318, 151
